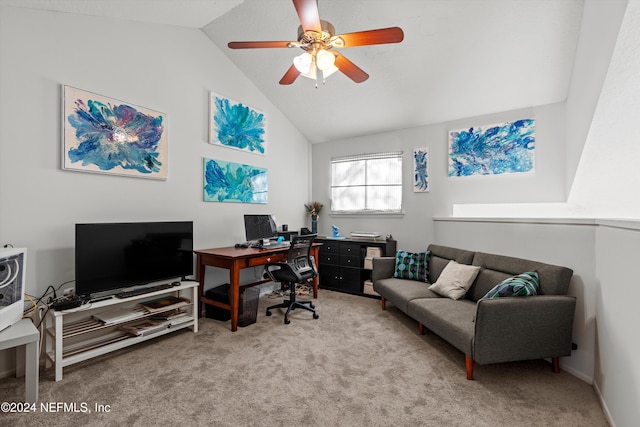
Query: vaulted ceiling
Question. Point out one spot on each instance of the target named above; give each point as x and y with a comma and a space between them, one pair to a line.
459, 58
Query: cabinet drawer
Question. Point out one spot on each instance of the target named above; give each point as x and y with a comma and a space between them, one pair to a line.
329, 247
264, 259
331, 259
350, 261
350, 249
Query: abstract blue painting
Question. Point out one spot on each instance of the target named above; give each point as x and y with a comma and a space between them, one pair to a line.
234, 125
492, 150
420, 170
234, 182
105, 135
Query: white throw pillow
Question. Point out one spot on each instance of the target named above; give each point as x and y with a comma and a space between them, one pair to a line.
455, 280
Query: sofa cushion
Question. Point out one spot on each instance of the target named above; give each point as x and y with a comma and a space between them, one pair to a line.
522, 285
400, 291
554, 280
440, 257
455, 280
486, 280
412, 266
451, 320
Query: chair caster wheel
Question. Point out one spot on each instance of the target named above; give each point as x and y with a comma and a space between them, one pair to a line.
315, 315
287, 321
268, 313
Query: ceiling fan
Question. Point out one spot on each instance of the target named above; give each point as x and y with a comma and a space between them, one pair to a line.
318, 40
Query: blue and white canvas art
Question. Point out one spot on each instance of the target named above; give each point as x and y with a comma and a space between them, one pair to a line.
421, 170
234, 182
104, 135
492, 150
235, 125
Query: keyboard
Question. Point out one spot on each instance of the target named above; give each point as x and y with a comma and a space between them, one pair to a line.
142, 291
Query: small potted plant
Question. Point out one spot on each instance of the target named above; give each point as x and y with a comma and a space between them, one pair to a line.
314, 210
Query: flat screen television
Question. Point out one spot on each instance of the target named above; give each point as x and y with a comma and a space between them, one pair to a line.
113, 256
259, 227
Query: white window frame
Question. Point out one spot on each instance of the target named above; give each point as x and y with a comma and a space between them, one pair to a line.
365, 210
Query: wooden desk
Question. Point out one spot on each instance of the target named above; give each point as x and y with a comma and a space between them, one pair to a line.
235, 259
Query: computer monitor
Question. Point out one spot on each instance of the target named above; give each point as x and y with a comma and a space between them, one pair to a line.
259, 227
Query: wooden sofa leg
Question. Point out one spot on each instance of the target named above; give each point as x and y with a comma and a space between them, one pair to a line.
556, 364
469, 363
420, 328
383, 303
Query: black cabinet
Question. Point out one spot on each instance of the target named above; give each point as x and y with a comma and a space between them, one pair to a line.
341, 263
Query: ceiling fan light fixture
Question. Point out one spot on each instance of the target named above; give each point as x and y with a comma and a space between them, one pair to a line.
317, 38
314, 71
303, 62
325, 59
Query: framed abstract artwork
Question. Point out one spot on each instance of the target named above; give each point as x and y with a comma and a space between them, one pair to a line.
494, 149
235, 125
234, 182
421, 177
105, 135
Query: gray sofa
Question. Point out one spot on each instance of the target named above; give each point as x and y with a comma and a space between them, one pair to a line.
487, 330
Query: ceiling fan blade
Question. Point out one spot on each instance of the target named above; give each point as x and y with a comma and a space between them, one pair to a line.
350, 69
257, 45
308, 14
290, 76
365, 38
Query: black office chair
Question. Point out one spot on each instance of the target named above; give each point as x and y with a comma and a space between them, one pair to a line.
299, 268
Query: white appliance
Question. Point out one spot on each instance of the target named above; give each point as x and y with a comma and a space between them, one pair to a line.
13, 262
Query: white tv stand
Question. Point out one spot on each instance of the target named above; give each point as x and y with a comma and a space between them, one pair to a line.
75, 335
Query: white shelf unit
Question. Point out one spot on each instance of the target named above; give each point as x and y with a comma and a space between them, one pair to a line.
75, 335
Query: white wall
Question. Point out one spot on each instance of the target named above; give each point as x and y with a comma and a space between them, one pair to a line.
608, 173
617, 376
545, 185
598, 33
165, 68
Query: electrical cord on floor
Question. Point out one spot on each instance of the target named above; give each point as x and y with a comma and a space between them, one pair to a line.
302, 290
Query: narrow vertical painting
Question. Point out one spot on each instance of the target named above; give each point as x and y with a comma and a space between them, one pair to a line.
421, 170
234, 182
492, 150
104, 135
235, 125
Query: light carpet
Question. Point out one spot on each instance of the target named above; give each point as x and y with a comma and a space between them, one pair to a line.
357, 365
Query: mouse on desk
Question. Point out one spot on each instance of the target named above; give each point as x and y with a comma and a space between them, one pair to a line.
241, 245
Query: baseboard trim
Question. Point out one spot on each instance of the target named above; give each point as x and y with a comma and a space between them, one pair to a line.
9, 373
603, 404
577, 374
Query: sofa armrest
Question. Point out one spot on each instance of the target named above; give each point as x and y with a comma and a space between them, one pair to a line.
383, 268
522, 328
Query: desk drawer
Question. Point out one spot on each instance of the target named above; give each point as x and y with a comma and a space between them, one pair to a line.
266, 258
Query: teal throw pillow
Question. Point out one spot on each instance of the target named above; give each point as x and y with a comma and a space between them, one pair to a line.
412, 266
522, 285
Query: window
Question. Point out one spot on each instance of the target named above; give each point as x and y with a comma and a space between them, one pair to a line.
367, 183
